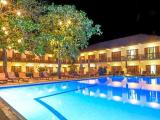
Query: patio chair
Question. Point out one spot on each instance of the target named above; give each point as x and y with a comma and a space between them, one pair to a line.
22, 76
3, 78
12, 77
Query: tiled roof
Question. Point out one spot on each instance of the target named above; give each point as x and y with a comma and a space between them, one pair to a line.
125, 41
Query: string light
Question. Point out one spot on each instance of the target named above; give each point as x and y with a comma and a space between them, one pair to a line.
6, 32
60, 22
18, 13
4, 2
20, 40
68, 22
3, 28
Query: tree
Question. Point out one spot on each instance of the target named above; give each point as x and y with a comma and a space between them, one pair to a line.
19, 27
7, 34
69, 30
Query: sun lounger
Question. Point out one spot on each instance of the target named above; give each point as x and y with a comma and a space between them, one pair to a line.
36, 76
12, 77
22, 76
46, 75
3, 78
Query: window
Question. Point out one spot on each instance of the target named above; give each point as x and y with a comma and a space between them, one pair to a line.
17, 56
91, 58
29, 69
42, 58
16, 68
132, 54
102, 57
50, 59
116, 56
65, 69
152, 52
30, 57
82, 59
116, 69
153, 69
50, 69
132, 69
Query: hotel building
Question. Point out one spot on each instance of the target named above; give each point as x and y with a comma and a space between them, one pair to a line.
133, 54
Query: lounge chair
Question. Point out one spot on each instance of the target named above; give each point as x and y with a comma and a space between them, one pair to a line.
46, 75
36, 76
22, 76
93, 73
3, 78
12, 77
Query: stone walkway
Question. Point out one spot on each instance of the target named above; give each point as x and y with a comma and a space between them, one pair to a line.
6, 113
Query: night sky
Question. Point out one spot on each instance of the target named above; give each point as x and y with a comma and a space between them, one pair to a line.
120, 18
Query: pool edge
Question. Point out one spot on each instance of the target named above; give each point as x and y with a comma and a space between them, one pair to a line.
9, 111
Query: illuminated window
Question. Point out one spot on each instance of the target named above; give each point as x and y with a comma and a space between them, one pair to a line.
152, 52
116, 56
153, 69
102, 57
132, 54
30, 69
16, 69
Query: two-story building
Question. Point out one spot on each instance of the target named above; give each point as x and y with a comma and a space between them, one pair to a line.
133, 54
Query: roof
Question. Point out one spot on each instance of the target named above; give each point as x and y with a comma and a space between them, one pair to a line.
125, 41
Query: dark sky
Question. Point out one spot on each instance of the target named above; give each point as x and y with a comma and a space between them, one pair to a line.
120, 18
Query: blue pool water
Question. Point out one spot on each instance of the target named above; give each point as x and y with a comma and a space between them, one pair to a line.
83, 100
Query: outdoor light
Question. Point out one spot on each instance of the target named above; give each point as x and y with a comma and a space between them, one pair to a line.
60, 23
3, 28
9, 47
18, 13
68, 22
19, 41
4, 2
6, 32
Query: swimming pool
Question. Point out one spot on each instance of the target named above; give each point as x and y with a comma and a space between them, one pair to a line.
89, 99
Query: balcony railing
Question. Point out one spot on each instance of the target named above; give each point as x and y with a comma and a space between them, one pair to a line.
108, 59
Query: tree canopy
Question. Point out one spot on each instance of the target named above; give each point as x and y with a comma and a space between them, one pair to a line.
69, 29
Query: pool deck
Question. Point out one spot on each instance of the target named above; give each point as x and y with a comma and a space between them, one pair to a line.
6, 113
32, 81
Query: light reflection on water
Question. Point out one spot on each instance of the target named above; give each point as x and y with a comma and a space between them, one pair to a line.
148, 98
